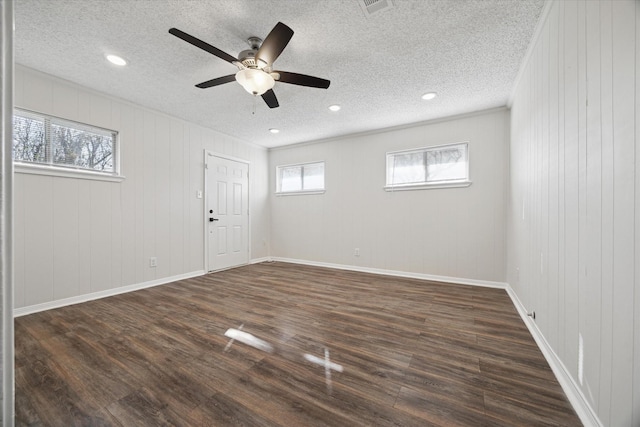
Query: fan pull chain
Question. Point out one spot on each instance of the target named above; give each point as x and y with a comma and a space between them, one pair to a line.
254, 104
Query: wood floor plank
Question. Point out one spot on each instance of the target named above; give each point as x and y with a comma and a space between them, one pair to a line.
426, 371
143, 408
83, 363
357, 368
512, 412
221, 410
313, 347
51, 397
438, 409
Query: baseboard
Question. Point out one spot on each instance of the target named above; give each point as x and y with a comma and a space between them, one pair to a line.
397, 273
567, 382
259, 260
22, 311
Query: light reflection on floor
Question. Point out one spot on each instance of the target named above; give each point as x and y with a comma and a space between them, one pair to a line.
257, 343
328, 366
248, 339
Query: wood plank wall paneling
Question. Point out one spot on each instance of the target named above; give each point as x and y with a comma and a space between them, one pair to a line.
19, 262
75, 237
38, 227
176, 183
456, 232
574, 199
65, 273
623, 205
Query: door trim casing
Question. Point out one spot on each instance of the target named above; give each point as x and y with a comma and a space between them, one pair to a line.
205, 199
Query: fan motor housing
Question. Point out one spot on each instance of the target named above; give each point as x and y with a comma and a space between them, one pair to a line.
248, 57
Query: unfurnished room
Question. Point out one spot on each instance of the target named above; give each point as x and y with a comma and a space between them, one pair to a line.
320, 213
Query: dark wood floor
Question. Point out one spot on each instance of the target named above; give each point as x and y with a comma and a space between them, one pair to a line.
413, 353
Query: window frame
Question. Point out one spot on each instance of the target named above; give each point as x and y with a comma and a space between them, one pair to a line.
425, 185
67, 171
278, 191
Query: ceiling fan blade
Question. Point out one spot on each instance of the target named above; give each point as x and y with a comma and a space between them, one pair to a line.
274, 44
202, 45
302, 80
270, 98
217, 81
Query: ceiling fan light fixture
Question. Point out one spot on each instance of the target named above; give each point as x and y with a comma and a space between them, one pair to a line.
255, 81
256, 73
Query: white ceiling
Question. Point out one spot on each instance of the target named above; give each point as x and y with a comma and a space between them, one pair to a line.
468, 52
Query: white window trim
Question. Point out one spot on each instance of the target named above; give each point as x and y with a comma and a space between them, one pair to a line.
427, 186
51, 169
298, 192
458, 183
63, 172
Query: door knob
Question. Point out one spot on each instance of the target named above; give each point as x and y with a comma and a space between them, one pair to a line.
213, 219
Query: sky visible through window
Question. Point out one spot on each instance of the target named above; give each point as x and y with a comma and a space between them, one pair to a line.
307, 177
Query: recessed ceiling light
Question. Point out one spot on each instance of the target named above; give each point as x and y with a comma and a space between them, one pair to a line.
429, 95
274, 130
334, 107
114, 59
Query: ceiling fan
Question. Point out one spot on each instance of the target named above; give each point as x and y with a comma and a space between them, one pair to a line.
255, 65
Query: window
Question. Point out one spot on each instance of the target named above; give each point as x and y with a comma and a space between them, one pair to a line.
301, 179
441, 166
50, 145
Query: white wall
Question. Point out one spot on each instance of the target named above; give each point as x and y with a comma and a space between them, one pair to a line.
456, 232
75, 237
574, 208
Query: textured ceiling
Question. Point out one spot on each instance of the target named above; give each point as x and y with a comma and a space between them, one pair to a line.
468, 52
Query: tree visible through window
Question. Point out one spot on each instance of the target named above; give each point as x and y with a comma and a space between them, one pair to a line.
427, 166
51, 141
28, 139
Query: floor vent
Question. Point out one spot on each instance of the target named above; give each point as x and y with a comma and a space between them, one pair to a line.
371, 7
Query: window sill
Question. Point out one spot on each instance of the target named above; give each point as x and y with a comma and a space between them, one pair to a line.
299, 193
65, 173
457, 184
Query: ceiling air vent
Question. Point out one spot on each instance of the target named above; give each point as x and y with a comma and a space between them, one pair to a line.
371, 7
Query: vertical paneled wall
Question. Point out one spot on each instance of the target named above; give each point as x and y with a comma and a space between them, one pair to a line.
454, 232
75, 236
574, 206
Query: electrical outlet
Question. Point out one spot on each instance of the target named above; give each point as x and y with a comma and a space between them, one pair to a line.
356, 252
153, 262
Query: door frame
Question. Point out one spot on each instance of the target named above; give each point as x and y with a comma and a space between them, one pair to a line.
205, 212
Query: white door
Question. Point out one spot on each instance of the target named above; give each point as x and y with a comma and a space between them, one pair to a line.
227, 213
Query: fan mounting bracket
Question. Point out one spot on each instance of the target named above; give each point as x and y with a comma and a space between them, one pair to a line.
254, 42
